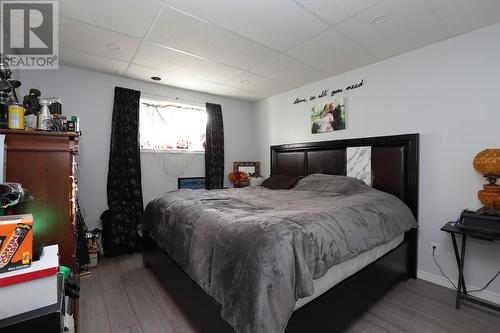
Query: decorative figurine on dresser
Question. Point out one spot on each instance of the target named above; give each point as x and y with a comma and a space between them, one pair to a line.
45, 118
31, 102
11, 115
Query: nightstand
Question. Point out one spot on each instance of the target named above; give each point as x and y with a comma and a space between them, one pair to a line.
453, 229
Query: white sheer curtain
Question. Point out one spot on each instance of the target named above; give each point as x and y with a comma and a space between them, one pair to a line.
173, 132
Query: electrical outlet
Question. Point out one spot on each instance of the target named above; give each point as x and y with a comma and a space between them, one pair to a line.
435, 248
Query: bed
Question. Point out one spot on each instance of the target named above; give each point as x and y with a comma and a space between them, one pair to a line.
303, 278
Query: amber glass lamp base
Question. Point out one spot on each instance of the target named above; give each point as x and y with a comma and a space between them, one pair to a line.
490, 196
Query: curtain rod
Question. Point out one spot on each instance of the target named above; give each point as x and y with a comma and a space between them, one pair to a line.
175, 99
173, 106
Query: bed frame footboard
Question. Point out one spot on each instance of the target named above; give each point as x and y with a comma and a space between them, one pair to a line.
331, 312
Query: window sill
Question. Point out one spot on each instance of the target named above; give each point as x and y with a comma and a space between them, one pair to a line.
152, 151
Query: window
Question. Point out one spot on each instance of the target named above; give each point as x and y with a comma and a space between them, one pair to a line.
173, 127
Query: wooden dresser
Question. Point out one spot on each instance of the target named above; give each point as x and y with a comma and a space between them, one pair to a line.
45, 164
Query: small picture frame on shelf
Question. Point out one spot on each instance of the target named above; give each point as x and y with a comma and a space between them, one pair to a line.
250, 168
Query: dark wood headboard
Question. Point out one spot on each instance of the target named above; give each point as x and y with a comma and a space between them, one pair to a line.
394, 162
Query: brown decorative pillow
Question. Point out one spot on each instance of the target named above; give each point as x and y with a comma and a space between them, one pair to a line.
280, 182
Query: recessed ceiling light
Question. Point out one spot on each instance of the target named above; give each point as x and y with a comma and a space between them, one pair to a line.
245, 81
155, 78
380, 19
113, 46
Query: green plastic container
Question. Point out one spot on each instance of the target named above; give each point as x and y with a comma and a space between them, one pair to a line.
64, 271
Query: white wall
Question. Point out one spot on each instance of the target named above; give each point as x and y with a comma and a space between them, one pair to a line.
89, 95
448, 92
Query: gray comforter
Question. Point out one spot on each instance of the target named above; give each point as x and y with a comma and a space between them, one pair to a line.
256, 251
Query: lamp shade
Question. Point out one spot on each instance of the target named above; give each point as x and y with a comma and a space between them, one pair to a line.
487, 162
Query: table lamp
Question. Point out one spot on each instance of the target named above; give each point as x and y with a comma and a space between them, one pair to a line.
487, 162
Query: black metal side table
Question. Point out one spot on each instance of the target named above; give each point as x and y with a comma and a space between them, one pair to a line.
454, 229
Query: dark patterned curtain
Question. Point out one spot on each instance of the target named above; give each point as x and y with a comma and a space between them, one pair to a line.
214, 150
124, 177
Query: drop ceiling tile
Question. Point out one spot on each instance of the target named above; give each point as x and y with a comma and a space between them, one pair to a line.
258, 84
287, 69
129, 17
91, 62
91, 39
461, 16
411, 24
332, 52
224, 90
337, 11
189, 34
145, 73
278, 24
182, 64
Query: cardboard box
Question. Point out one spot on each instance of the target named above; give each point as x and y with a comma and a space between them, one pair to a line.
16, 242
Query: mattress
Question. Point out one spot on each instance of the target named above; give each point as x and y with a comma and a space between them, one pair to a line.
347, 268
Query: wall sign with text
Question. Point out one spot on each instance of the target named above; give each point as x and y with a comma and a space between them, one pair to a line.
326, 92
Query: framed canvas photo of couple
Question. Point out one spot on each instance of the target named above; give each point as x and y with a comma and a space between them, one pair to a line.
328, 117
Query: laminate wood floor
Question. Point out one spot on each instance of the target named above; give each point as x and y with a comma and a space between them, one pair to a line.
122, 296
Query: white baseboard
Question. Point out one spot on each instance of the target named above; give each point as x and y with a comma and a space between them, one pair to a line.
440, 280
